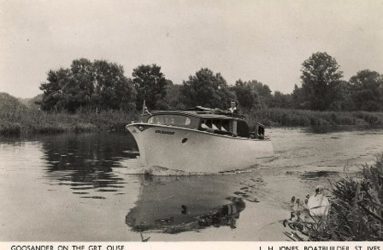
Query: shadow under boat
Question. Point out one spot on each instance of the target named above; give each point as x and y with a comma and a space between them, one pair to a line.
178, 204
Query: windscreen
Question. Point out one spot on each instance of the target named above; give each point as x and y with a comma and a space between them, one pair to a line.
174, 120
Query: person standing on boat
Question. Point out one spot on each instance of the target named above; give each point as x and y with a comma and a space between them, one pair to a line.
233, 107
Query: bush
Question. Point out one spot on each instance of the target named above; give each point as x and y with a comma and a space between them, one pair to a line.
356, 211
9, 128
373, 119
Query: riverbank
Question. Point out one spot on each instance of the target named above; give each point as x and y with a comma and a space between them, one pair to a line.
37, 122
307, 118
17, 119
18, 122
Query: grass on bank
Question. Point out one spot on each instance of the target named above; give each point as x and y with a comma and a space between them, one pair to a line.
18, 119
307, 118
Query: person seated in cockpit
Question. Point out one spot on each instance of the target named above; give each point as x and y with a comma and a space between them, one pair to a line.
206, 125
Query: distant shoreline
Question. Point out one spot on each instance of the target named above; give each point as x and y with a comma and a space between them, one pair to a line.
308, 118
35, 122
18, 119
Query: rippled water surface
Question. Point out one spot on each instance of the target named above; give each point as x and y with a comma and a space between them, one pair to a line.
88, 187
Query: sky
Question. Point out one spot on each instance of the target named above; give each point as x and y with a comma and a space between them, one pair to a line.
264, 40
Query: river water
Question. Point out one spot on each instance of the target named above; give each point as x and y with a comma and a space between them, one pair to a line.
88, 187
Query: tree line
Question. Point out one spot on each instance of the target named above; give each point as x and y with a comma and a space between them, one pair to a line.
102, 85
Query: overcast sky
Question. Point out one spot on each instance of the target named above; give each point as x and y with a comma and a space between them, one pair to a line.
262, 40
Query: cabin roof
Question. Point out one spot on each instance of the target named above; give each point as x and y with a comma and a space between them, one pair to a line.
199, 114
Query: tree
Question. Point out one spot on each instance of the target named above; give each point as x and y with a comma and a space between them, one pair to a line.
320, 77
151, 86
281, 100
342, 97
93, 85
252, 94
112, 89
367, 90
53, 95
173, 97
246, 97
298, 99
206, 89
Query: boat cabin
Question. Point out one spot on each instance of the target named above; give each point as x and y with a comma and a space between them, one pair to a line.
213, 123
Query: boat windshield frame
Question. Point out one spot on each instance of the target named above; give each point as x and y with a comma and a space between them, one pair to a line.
174, 119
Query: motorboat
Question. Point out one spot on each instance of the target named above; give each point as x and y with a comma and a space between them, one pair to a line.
201, 140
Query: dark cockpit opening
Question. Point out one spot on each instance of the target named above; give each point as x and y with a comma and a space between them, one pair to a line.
242, 129
225, 127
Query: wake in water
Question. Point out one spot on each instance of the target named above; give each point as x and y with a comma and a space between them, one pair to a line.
133, 167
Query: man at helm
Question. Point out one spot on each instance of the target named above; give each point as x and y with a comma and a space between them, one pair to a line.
233, 107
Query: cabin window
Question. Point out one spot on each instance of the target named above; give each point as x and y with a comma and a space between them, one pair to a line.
216, 125
173, 120
205, 124
225, 125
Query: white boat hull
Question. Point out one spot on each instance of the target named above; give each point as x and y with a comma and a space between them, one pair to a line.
194, 151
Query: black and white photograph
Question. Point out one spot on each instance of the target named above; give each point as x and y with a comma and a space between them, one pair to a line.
191, 120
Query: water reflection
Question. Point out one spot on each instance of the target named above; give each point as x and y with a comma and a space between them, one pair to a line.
86, 162
315, 175
177, 204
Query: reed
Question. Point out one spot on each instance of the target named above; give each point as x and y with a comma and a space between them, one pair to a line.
16, 119
356, 210
305, 118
